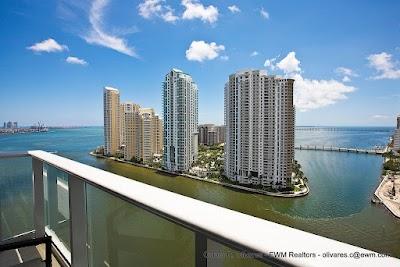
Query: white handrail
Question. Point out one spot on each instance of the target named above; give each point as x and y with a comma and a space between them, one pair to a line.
237, 228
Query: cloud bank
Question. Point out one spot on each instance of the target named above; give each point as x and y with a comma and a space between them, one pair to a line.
310, 94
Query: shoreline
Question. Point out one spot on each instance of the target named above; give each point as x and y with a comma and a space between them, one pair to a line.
239, 187
378, 196
388, 203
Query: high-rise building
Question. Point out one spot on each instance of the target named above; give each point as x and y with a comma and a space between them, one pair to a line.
9, 125
396, 136
131, 132
158, 134
151, 133
15, 125
210, 135
111, 121
180, 107
259, 120
203, 131
220, 133
141, 133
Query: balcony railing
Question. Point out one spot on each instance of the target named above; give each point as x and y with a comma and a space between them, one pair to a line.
97, 218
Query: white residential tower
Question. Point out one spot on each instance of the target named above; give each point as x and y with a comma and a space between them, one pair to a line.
259, 119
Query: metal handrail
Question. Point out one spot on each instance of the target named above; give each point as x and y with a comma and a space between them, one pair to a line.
29, 243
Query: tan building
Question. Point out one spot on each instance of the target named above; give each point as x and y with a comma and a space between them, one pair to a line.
151, 134
142, 133
158, 135
396, 136
111, 121
259, 120
131, 131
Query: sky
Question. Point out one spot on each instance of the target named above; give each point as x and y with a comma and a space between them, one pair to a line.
57, 55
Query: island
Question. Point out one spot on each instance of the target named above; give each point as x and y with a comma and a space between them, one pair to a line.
209, 167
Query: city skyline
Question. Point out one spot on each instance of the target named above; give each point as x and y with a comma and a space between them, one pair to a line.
81, 46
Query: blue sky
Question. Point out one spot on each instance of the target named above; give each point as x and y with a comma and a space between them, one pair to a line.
56, 56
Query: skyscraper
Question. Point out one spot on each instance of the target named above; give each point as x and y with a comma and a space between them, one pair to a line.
396, 136
131, 132
204, 131
158, 134
151, 135
141, 133
111, 121
259, 119
180, 106
210, 135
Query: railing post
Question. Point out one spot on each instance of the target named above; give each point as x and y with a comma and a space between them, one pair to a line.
38, 197
201, 249
78, 223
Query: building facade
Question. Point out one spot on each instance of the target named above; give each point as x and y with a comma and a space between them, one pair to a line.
210, 135
180, 108
259, 120
396, 136
158, 135
131, 131
142, 136
151, 134
220, 130
111, 100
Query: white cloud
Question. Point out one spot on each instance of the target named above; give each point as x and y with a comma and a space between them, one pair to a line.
99, 37
155, 8
169, 16
312, 94
195, 10
380, 117
254, 53
200, 51
149, 8
346, 73
308, 93
270, 63
289, 64
75, 60
384, 66
49, 45
224, 58
264, 13
346, 79
234, 9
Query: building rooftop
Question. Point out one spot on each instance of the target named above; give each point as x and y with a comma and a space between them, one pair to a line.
109, 88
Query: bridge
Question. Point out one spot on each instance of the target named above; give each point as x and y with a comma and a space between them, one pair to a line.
376, 151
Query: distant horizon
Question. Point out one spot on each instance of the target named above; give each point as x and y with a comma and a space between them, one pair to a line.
86, 126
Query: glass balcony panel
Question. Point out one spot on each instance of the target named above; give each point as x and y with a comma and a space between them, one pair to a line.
16, 197
56, 198
121, 234
219, 255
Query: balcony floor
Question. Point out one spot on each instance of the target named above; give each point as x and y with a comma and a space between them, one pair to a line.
25, 257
